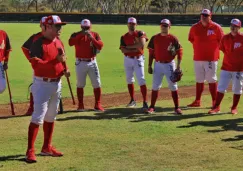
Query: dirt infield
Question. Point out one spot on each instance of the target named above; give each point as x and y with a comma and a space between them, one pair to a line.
108, 100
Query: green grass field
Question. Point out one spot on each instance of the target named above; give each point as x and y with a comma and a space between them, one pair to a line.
110, 60
126, 140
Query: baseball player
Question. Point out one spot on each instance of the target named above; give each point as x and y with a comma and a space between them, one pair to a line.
5, 49
26, 50
163, 48
232, 68
87, 44
132, 45
205, 37
48, 65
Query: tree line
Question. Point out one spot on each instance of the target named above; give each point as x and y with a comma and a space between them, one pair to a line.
122, 6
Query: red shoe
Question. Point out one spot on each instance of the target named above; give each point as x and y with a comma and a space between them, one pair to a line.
196, 103
234, 111
151, 110
51, 151
99, 108
215, 110
178, 111
80, 108
30, 156
29, 111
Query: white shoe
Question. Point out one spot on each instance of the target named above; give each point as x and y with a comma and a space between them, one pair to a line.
132, 103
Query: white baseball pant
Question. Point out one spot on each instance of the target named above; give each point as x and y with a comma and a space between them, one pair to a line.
206, 70
2, 79
226, 77
161, 70
135, 65
91, 68
46, 100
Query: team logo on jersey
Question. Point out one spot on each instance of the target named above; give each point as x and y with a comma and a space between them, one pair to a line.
210, 32
237, 45
2, 46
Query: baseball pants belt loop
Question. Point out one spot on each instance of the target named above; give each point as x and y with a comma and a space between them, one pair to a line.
163, 62
133, 57
86, 59
49, 79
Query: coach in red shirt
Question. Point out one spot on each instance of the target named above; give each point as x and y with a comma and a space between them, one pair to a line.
48, 66
205, 37
232, 68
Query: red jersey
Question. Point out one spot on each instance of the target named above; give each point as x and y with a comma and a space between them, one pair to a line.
5, 46
161, 46
26, 46
205, 41
84, 46
43, 54
232, 47
130, 39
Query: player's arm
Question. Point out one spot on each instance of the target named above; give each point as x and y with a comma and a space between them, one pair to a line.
151, 55
221, 45
73, 40
179, 53
142, 38
191, 35
220, 33
123, 47
96, 40
6, 53
26, 47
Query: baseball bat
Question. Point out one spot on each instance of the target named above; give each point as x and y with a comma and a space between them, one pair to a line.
61, 106
60, 51
10, 94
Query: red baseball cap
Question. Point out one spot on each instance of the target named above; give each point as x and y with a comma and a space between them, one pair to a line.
43, 19
236, 22
166, 22
54, 19
206, 12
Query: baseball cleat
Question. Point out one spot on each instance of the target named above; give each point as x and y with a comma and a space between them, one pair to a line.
51, 151
215, 110
196, 103
132, 103
80, 108
99, 109
151, 110
234, 111
178, 111
29, 111
30, 156
145, 107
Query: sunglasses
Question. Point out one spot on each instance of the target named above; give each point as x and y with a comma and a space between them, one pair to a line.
205, 15
164, 25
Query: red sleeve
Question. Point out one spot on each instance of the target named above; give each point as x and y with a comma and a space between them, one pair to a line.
190, 36
7, 49
97, 41
220, 33
26, 53
151, 44
122, 42
179, 53
221, 45
73, 40
142, 34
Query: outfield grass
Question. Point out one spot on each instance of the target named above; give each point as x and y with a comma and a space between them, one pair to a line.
110, 60
126, 139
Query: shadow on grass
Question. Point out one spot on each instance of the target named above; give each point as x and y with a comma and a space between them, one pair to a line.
13, 116
236, 138
18, 157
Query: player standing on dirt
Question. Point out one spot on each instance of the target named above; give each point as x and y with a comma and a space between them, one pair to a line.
232, 67
163, 47
87, 44
132, 45
205, 37
26, 50
48, 65
5, 49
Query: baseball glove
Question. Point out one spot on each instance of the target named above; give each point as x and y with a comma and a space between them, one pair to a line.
176, 75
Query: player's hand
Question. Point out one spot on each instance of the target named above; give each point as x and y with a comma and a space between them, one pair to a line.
61, 58
67, 73
5, 66
178, 67
89, 35
150, 70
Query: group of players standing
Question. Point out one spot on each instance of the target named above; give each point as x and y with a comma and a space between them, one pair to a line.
46, 53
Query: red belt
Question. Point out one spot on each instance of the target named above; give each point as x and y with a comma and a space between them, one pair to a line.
163, 62
51, 79
133, 57
86, 60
